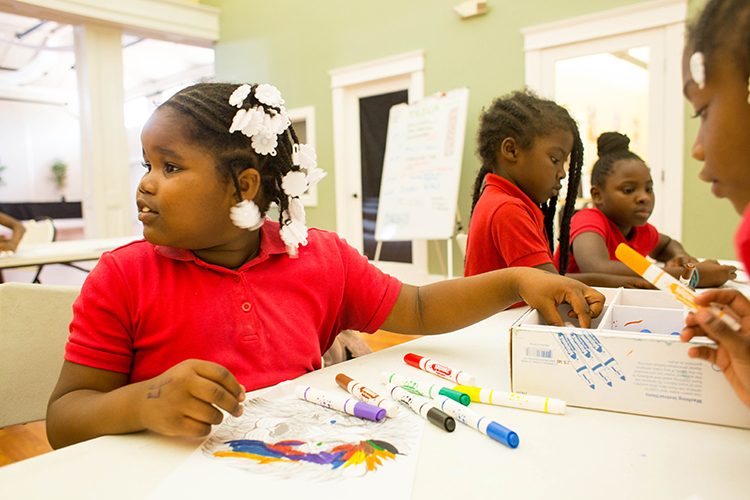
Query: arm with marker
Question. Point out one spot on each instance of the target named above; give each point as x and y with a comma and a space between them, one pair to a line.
664, 281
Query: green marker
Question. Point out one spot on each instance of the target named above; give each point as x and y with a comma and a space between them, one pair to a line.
424, 388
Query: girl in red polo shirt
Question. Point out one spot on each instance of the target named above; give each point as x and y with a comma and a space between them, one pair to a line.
217, 299
524, 142
716, 65
623, 195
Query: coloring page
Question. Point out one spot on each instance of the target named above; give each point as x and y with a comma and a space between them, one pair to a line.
283, 446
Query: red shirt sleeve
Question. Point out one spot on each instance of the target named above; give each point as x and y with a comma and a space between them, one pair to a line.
100, 330
369, 293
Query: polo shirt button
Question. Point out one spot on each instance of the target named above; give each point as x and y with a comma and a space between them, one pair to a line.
236, 279
246, 306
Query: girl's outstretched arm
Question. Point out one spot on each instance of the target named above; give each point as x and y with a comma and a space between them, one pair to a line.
89, 402
446, 306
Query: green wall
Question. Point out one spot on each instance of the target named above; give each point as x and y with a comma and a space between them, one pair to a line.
293, 45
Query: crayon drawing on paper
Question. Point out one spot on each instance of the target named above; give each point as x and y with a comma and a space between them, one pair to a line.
298, 439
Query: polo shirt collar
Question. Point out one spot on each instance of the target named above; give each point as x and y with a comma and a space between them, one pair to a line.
510, 189
270, 244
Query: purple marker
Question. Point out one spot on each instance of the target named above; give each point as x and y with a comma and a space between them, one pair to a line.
340, 403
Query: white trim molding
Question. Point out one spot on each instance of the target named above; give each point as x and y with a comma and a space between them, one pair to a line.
607, 23
175, 20
409, 62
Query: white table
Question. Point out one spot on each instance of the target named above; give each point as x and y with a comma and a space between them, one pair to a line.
585, 454
62, 252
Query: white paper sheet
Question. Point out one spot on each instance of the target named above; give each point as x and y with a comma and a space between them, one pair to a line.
284, 447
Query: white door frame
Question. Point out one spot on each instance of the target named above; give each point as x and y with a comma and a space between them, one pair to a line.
348, 85
661, 25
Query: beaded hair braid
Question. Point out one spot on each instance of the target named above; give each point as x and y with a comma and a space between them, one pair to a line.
208, 106
723, 24
611, 148
524, 116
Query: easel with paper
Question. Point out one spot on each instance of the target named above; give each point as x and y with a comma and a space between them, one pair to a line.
422, 170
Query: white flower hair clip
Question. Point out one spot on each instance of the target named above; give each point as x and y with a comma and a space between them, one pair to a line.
698, 69
263, 124
257, 123
268, 94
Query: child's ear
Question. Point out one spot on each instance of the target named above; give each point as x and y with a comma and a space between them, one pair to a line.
509, 149
249, 183
596, 195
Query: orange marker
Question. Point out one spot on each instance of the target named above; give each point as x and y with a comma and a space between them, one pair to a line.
664, 281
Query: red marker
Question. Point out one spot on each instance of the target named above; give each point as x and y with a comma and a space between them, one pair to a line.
428, 365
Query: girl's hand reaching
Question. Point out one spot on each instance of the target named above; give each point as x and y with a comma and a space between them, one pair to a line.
681, 260
545, 291
732, 355
712, 274
185, 400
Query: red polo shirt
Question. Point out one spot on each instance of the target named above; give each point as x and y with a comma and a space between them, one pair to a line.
145, 308
506, 230
642, 239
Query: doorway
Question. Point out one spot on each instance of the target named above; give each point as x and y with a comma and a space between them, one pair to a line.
373, 130
620, 71
355, 88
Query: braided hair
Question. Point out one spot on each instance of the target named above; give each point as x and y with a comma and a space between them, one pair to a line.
723, 24
207, 106
524, 116
611, 148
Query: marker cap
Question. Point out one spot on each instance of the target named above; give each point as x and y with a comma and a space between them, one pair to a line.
632, 259
500, 433
441, 419
461, 397
556, 406
412, 359
368, 411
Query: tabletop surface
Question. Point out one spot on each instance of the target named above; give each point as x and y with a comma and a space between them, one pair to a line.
583, 454
62, 251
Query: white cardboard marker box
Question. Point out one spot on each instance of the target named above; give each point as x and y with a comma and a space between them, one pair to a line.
628, 361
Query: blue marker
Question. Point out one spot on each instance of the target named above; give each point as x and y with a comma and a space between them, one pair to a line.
604, 354
589, 358
478, 422
578, 364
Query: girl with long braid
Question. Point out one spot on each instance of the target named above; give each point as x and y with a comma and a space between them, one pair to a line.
524, 142
623, 194
218, 300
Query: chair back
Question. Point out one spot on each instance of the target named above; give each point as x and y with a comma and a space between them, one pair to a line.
37, 231
34, 323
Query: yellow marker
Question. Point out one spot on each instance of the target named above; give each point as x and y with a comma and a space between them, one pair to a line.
513, 400
664, 281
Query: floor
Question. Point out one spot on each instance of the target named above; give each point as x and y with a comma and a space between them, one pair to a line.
29, 440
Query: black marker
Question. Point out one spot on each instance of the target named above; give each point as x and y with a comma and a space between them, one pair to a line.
422, 407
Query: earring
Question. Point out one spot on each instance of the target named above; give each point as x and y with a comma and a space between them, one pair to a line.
246, 215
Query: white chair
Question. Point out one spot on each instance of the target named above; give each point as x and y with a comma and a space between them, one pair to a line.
34, 323
37, 231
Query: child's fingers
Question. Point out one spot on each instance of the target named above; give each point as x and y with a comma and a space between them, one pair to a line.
703, 352
729, 297
211, 393
201, 411
720, 332
549, 312
220, 375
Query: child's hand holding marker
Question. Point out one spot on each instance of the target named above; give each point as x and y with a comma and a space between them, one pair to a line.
664, 281
732, 355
